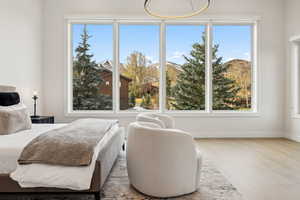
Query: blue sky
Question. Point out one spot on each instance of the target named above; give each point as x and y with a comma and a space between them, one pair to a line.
179, 41
139, 38
235, 41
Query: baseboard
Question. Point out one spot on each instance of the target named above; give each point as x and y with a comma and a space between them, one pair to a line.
237, 134
293, 136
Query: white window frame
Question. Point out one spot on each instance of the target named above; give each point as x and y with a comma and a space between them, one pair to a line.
295, 76
116, 112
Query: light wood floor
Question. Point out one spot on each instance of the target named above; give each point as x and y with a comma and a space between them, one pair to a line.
261, 169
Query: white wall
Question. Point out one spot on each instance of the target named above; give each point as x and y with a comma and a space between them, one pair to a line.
270, 123
21, 46
292, 27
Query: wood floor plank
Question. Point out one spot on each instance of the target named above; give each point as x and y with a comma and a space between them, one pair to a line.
261, 169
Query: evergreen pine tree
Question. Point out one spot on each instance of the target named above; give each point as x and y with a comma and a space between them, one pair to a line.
87, 79
189, 91
224, 88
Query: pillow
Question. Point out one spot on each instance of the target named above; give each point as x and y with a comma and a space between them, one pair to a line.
13, 119
9, 98
6, 88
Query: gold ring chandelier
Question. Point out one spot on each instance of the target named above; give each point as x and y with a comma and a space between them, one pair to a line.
194, 13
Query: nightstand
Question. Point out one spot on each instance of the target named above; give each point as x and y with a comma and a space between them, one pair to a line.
42, 119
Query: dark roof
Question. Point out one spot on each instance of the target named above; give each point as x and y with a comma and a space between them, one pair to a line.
107, 66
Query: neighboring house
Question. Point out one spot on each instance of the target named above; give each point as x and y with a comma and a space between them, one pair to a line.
151, 86
173, 70
106, 87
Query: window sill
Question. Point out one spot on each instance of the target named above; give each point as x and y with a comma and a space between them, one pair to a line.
296, 116
179, 114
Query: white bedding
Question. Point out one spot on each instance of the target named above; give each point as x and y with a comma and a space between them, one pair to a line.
42, 175
12, 145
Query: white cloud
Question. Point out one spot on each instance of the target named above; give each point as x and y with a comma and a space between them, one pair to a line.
247, 56
228, 59
151, 59
243, 56
176, 55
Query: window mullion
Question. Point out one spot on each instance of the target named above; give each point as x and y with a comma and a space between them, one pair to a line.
254, 48
70, 70
208, 70
116, 85
162, 59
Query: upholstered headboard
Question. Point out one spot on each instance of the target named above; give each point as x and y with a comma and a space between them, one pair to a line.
7, 88
8, 96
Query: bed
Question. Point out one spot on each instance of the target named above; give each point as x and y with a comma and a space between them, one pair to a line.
12, 145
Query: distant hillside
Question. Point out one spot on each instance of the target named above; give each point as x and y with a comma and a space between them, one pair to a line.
239, 64
240, 71
173, 70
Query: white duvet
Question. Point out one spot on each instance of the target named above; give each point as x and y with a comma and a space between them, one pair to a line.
74, 178
12, 145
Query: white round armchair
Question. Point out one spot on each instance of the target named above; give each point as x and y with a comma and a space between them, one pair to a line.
162, 162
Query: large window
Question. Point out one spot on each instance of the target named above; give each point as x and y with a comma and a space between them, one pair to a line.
92, 71
231, 62
160, 66
185, 67
139, 67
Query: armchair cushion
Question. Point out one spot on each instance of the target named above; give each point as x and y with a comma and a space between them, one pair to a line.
149, 125
162, 120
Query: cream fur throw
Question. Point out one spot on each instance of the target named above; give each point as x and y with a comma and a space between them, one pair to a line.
13, 119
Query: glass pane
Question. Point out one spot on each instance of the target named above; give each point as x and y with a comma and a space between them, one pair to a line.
185, 75
139, 67
232, 67
92, 70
